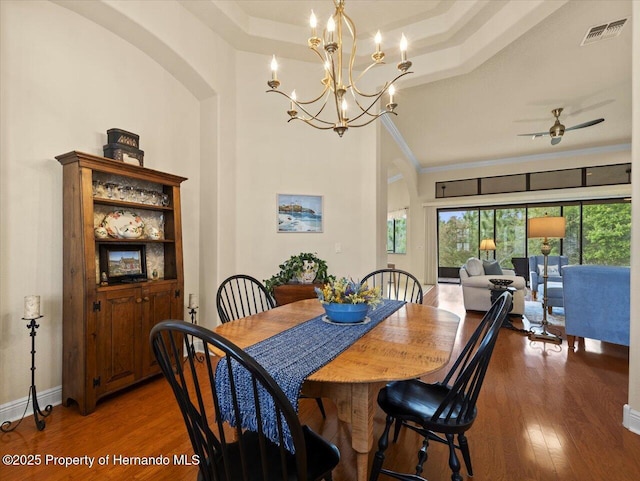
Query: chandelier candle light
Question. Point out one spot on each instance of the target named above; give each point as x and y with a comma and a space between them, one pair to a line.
329, 49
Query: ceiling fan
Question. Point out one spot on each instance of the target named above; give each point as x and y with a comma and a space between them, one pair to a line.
557, 130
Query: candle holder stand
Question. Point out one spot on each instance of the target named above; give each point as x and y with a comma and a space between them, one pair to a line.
193, 312
9, 426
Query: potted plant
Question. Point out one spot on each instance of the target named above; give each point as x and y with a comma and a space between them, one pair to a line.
304, 268
347, 301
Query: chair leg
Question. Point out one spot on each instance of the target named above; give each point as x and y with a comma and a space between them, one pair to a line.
464, 448
454, 463
321, 407
383, 443
422, 456
396, 430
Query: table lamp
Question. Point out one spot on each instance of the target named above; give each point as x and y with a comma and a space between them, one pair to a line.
487, 245
545, 227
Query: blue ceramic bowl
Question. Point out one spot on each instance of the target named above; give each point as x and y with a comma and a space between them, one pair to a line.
347, 313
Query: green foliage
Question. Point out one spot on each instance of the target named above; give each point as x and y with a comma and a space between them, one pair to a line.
397, 236
458, 238
294, 266
607, 234
600, 232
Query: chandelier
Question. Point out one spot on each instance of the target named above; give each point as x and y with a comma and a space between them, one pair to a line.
338, 85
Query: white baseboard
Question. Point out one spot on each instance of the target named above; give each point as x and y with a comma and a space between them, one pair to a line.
13, 410
631, 419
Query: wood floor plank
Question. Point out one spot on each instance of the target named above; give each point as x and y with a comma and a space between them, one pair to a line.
545, 414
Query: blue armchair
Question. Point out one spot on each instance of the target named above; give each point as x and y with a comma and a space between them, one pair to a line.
554, 271
597, 303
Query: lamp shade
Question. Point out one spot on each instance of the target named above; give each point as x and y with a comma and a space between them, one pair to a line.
487, 245
546, 227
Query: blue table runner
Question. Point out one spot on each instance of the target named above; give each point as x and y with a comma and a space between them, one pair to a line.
290, 357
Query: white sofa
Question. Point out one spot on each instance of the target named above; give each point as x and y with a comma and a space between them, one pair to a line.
476, 291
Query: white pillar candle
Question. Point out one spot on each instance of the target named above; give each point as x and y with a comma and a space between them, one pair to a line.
193, 301
31, 307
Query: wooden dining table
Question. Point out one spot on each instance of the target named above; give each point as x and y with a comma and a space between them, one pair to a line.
413, 341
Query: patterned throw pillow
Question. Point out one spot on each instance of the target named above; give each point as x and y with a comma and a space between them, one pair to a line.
552, 270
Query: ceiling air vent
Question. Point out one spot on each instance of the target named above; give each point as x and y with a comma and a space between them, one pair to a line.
603, 32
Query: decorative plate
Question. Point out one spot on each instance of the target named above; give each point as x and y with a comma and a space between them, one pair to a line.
366, 320
501, 282
123, 224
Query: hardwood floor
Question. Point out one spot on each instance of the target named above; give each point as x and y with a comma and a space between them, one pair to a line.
545, 414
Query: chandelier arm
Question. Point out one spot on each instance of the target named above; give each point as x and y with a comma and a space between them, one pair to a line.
324, 59
335, 88
375, 117
309, 122
383, 90
311, 116
379, 95
354, 85
309, 102
352, 29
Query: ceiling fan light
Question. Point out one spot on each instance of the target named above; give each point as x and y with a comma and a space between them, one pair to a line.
557, 130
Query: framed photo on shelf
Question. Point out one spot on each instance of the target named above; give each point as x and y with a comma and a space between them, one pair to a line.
121, 263
299, 213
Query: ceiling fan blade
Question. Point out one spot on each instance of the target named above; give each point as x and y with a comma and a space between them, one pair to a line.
586, 124
556, 140
534, 135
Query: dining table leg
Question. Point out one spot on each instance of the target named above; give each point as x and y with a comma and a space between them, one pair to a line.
363, 408
356, 406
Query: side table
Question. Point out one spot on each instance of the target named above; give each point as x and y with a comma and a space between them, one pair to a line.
288, 293
496, 291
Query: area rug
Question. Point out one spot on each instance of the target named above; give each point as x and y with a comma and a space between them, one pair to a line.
533, 314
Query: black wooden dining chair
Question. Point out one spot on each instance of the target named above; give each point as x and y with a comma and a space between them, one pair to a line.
439, 411
241, 296
395, 284
232, 453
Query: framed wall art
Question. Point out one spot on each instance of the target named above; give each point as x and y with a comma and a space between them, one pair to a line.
299, 213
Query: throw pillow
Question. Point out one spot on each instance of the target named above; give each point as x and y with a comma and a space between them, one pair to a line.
474, 267
552, 271
492, 268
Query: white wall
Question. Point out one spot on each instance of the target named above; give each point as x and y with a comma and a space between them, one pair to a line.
632, 411
292, 158
66, 79
64, 82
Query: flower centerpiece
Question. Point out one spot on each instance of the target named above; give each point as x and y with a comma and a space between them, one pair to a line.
348, 301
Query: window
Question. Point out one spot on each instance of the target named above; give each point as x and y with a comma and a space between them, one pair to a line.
458, 237
597, 232
556, 179
397, 232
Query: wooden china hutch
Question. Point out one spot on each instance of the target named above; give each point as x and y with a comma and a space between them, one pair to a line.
106, 317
